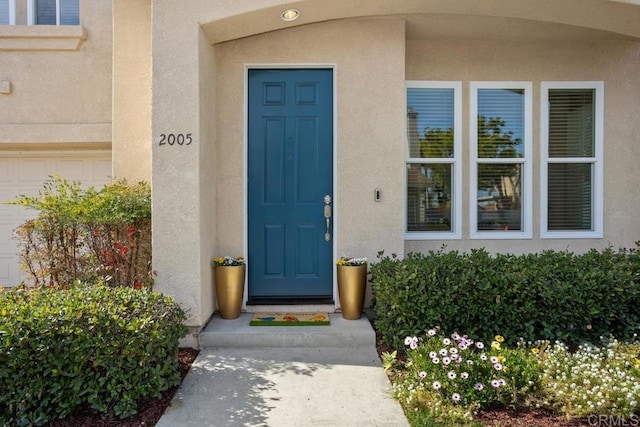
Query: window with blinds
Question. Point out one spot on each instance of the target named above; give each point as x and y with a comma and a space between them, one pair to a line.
501, 147
433, 150
571, 119
6, 12
56, 12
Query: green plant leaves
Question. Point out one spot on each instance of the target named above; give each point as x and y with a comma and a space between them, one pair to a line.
551, 295
90, 346
88, 234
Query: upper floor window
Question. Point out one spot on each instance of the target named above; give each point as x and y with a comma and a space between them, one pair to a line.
54, 12
500, 139
7, 12
572, 151
433, 160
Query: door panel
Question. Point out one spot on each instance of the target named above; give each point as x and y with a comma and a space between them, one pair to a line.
290, 161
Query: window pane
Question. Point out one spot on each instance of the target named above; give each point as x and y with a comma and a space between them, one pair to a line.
45, 12
570, 197
430, 120
4, 12
69, 12
571, 122
499, 197
500, 123
429, 197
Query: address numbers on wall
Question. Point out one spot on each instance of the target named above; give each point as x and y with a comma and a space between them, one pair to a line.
175, 139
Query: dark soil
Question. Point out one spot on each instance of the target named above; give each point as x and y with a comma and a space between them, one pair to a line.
149, 410
525, 417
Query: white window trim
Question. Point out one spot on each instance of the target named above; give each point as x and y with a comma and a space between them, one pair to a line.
12, 12
527, 187
456, 162
598, 161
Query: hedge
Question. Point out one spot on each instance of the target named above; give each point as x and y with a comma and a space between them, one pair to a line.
84, 347
551, 295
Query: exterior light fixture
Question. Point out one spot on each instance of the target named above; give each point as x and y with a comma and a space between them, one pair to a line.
290, 15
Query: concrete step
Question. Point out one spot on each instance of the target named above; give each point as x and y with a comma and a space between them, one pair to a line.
236, 333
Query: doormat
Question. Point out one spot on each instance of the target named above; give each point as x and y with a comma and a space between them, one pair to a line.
290, 319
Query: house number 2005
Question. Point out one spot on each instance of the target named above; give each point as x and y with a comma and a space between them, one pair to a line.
175, 139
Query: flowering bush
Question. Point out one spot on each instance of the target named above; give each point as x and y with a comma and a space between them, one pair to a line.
352, 261
227, 261
445, 380
454, 376
593, 380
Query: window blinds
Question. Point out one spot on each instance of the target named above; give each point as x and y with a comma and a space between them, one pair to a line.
571, 159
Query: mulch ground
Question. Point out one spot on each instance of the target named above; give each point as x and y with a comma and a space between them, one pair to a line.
504, 417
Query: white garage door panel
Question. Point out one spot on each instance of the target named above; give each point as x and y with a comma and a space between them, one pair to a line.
25, 175
5, 173
7, 269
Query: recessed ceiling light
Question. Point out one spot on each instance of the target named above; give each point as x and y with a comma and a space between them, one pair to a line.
290, 15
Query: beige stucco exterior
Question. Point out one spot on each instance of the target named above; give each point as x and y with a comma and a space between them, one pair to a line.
60, 82
136, 70
131, 109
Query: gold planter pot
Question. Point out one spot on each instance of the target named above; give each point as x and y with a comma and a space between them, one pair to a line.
230, 290
352, 284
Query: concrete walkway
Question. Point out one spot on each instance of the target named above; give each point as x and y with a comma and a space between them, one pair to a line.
331, 376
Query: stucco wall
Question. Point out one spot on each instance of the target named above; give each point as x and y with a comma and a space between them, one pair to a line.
614, 62
368, 56
57, 96
132, 89
182, 175
199, 89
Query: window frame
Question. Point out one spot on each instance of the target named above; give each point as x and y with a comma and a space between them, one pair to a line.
526, 161
597, 205
31, 12
12, 12
455, 162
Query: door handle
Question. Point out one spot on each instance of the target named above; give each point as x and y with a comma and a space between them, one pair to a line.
327, 217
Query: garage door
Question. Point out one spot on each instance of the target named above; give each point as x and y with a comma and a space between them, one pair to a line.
24, 174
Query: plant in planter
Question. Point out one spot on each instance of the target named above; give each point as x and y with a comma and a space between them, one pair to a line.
228, 261
229, 275
352, 284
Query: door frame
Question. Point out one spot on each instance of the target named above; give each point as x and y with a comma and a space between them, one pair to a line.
245, 160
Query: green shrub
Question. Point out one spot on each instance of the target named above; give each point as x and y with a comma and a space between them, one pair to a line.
87, 346
551, 295
88, 234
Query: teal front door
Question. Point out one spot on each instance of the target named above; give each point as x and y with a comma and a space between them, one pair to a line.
290, 185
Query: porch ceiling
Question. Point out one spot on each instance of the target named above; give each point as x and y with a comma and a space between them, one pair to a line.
460, 19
